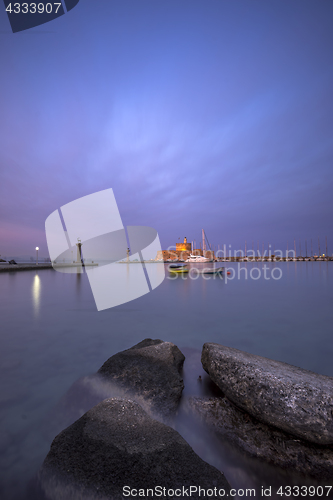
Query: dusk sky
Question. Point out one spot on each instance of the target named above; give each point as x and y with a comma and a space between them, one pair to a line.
214, 114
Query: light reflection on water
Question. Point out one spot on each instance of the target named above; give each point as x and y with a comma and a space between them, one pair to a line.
51, 341
36, 291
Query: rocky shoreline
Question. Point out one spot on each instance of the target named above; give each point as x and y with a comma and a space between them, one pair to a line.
273, 411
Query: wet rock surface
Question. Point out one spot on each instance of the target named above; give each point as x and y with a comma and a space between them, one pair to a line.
260, 440
294, 400
149, 370
117, 444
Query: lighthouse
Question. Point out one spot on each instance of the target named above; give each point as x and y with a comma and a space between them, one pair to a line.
79, 254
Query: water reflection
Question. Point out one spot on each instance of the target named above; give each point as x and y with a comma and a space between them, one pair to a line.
36, 290
78, 283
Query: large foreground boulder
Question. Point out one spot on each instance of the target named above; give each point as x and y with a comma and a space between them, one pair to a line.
149, 370
260, 440
116, 444
297, 401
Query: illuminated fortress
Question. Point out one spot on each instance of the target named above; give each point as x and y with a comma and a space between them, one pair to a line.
183, 251
184, 247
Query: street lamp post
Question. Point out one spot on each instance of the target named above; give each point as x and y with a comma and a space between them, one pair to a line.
37, 248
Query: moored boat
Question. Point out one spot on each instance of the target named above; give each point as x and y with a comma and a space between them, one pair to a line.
209, 270
197, 258
177, 268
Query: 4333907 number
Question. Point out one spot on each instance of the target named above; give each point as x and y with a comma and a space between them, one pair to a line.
304, 491
33, 8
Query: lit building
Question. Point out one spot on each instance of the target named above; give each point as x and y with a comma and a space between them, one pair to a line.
183, 251
184, 247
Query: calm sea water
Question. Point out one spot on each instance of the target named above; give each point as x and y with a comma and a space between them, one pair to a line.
52, 336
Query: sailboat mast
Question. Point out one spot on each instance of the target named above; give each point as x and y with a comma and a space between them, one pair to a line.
203, 243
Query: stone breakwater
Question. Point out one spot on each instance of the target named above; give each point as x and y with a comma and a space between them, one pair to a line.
24, 267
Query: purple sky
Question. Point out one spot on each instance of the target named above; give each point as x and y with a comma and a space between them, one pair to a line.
211, 114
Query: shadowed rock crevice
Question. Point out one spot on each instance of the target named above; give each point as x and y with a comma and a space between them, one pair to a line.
260, 440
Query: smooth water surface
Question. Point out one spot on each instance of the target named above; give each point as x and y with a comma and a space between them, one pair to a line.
52, 335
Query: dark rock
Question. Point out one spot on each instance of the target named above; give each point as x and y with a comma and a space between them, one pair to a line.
117, 444
12, 262
263, 441
297, 401
150, 373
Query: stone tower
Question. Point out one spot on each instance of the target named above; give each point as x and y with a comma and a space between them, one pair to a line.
183, 247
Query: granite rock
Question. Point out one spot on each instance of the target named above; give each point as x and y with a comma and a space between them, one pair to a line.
294, 400
261, 440
149, 372
116, 444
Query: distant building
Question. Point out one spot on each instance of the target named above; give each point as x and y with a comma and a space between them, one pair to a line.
184, 247
183, 251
